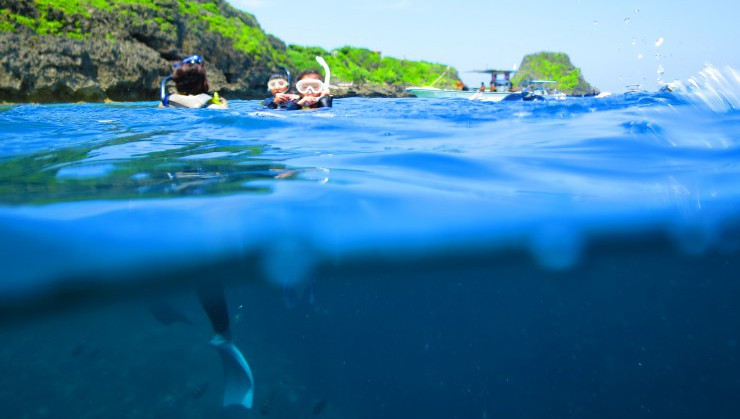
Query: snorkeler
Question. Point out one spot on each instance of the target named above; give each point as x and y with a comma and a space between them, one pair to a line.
314, 92
191, 82
279, 86
190, 79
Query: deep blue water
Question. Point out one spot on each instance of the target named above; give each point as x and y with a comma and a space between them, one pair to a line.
388, 258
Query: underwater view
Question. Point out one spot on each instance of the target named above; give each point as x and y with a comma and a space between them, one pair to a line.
384, 258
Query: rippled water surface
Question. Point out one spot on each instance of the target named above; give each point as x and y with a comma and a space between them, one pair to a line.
385, 253
368, 174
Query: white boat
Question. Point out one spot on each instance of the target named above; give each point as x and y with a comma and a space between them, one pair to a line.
559, 96
433, 92
540, 87
501, 90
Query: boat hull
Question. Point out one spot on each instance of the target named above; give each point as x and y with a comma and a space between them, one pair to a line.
427, 92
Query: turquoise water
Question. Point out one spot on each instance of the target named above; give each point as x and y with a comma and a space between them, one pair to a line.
385, 258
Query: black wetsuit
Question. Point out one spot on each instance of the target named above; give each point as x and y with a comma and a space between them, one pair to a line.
323, 102
287, 105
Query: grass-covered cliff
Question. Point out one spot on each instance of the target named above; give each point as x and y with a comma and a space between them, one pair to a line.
82, 19
95, 49
553, 66
362, 66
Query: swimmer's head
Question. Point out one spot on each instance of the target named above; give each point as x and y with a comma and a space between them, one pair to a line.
189, 76
310, 83
278, 83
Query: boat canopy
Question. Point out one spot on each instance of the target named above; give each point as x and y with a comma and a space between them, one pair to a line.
494, 71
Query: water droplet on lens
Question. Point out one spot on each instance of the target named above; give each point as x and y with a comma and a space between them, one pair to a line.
634, 41
659, 42
639, 56
596, 22
637, 11
660, 69
627, 21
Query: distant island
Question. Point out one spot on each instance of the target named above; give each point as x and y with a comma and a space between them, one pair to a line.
556, 67
95, 50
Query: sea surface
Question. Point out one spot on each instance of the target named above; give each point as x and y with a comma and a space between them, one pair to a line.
387, 258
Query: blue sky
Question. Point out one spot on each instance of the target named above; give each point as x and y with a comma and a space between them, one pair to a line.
615, 43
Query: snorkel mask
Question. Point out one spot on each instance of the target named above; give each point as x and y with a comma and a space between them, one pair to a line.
193, 59
277, 83
315, 86
312, 86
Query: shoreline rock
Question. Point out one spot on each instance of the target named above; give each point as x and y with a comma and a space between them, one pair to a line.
123, 52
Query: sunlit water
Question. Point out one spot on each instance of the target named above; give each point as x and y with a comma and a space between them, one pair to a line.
385, 258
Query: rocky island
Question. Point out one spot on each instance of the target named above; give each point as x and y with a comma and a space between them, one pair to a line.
556, 67
95, 50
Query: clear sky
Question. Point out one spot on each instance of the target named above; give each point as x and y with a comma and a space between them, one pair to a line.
615, 43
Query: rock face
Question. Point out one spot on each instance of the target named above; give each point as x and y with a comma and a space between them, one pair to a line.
369, 90
92, 50
53, 54
553, 66
49, 69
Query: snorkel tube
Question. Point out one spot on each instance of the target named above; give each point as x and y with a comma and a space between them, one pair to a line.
287, 72
163, 95
327, 78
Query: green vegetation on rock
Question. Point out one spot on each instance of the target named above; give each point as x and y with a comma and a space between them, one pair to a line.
242, 28
359, 65
104, 44
552, 66
57, 17
6, 26
49, 20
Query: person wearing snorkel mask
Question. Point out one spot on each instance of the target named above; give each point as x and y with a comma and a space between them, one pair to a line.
279, 86
191, 82
190, 79
314, 93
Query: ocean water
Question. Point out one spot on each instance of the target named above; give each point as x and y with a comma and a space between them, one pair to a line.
387, 258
